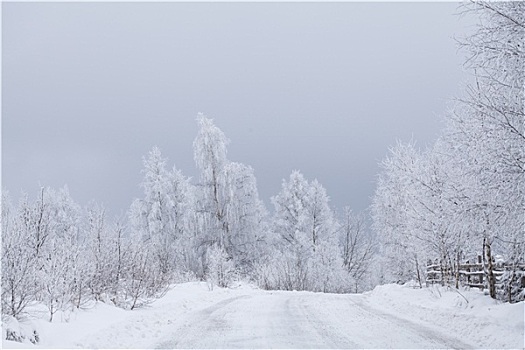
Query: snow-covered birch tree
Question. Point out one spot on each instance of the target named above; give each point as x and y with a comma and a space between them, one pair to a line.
227, 201
307, 254
400, 249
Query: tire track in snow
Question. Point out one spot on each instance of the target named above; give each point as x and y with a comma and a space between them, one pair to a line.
327, 334
190, 334
301, 320
424, 331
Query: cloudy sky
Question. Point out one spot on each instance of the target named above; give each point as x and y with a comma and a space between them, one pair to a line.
89, 88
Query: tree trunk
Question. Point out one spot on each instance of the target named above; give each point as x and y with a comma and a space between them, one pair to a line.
457, 270
444, 270
417, 272
511, 281
490, 269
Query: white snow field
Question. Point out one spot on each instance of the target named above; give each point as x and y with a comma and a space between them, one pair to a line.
391, 316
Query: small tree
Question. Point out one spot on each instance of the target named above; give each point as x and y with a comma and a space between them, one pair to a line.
142, 279
19, 264
357, 246
221, 270
57, 275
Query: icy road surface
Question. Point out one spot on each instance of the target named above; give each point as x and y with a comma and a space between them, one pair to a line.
300, 320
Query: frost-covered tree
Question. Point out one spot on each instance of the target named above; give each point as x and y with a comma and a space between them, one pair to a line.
155, 210
107, 249
161, 218
142, 280
306, 246
401, 250
464, 196
290, 224
229, 212
291, 206
118, 231
19, 264
415, 213
487, 127
36, 220
326, 265
221, 270
245, 214
98, 249
357, 247
181, 195
320, 216
42, 256
60, 260
209, 149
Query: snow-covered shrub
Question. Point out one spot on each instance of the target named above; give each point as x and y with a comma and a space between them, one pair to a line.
221, 271
18, 272
142, 279
15, 330
263, 275
511, 286
327, 272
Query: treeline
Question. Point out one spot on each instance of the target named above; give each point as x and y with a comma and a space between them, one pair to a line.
464, 196
217, 229
63, 256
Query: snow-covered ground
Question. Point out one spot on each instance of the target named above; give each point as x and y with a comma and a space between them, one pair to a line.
391, 316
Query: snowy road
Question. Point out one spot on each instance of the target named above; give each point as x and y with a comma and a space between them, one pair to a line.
300, 320
192, 316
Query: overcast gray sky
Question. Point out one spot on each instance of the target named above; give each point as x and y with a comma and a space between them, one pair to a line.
89, 88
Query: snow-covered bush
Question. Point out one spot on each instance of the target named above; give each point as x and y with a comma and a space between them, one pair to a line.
19, 263
221, 271
511, 286
19, 331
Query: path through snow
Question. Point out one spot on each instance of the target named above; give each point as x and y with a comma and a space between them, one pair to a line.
301, 320
391, 316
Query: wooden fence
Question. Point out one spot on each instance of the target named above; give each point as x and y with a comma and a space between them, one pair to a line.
472, 274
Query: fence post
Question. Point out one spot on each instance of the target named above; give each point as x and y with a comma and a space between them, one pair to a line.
468, 274
481, 269
429, 264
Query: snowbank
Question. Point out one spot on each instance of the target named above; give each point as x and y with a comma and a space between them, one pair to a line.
466, 314
106, 326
